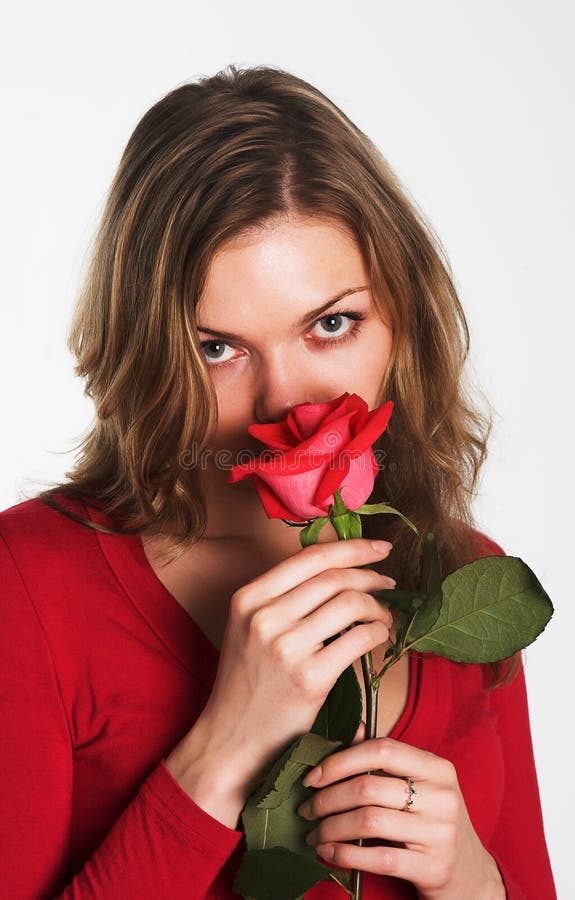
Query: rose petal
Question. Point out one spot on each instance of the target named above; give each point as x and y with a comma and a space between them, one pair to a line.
360, 479
309, 415
296, 491
328, 439
294, 428
348, 403
276, 435
374, 428
273, 505
331, 481
315, 451
251, 466
318, 449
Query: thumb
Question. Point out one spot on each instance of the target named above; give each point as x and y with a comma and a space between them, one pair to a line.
360, 733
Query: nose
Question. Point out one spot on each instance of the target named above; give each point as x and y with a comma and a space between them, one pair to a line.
279, 388
273, 406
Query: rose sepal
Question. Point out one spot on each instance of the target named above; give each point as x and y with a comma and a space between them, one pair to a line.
309, 534
372, 509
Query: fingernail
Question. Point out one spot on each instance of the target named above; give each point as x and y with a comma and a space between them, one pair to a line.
325, 850
312, 837
312, 778
381, 546
304, 811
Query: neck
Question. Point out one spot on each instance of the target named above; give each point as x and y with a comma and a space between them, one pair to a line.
236, 513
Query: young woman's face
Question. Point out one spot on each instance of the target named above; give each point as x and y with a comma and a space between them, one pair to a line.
274, 333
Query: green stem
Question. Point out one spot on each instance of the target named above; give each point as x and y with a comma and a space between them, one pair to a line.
371, 683
390, 662
370, 696
347, 524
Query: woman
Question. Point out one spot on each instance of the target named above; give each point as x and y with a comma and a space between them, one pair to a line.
163, 640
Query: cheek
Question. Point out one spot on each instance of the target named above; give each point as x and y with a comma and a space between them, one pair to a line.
233, 407
371, 363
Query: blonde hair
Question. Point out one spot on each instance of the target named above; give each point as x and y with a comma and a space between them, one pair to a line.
205, 164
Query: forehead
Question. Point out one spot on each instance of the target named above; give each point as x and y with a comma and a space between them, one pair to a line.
292, 265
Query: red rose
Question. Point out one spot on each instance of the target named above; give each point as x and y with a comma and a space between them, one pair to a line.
318, 449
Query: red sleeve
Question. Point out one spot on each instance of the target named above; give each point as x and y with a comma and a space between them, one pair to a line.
518, 843
163, 844
486, 546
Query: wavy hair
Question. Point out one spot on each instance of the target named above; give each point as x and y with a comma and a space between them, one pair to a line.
208, 162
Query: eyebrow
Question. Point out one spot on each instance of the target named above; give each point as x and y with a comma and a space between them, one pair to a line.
305, 320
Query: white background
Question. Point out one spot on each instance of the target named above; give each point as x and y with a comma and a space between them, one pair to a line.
471, 103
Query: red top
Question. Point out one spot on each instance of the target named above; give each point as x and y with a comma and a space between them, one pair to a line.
103, 672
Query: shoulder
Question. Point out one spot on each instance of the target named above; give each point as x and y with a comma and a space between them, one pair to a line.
54, 574
484, 545
35, 524
39, 543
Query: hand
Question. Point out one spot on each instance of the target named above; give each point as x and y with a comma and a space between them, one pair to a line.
275, 672
434, 845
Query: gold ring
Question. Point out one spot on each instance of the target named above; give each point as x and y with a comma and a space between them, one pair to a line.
410, 790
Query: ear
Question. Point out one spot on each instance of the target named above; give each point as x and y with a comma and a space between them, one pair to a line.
360, 733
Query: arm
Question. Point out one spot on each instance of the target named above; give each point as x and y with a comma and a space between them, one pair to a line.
163, 844
518, 843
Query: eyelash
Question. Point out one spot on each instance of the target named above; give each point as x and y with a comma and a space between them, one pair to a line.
323, 344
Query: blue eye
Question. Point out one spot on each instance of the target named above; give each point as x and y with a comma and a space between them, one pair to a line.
215, 343
337, 317
322, 344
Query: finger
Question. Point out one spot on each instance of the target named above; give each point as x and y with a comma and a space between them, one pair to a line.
374, 822
308, 596
348, 647
393, 757
339, 613
287, 613
410, 865
310, 561
365, 790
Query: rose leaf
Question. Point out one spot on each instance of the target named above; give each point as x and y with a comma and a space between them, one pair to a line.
282, 874
306, 752
427, 615
491, 608
340, 714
